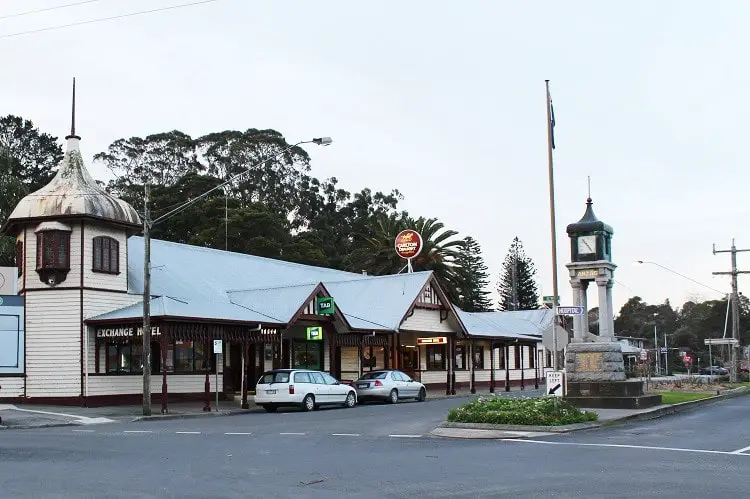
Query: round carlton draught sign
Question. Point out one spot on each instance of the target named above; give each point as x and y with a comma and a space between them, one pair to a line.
408, 244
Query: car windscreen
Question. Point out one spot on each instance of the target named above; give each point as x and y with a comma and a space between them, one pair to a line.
278, 377
375, 375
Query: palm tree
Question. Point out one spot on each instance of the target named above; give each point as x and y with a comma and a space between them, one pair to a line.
439, 251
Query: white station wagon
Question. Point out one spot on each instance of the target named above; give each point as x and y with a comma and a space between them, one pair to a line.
302, 388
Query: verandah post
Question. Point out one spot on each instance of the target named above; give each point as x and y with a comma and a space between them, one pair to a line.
246, 366
506, 352
473, 387
207, 385
164, 392
492, 367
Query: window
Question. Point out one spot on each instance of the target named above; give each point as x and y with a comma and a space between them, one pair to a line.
548, 356
375, 375
436, 357
105, 255
501, 360
329, 380
531, 357
302, 378
478, 357
182, 357
124, 358
517, 357
318, 378
19, 257
53, 250
460, 361
274, 377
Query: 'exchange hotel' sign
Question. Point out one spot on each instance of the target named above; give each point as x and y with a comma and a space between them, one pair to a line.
124, 332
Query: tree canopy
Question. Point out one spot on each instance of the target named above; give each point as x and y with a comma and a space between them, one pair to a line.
517, 285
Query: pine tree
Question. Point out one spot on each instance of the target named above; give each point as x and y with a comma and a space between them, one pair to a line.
517, 287
473, 278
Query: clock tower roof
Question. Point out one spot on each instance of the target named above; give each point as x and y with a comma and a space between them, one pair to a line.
589, 223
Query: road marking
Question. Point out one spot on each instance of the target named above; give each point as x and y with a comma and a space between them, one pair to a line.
137, 431
292, 433
188, 432
84, 431
346, 434
624, 446
405, 436
80, 419
237, 433
742, 450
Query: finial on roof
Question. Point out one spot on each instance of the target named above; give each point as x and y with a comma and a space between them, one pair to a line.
73, 116
588, 200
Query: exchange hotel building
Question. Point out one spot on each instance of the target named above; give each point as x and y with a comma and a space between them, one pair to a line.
77, 336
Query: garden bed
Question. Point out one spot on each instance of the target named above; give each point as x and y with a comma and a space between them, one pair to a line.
669, 398
544, 411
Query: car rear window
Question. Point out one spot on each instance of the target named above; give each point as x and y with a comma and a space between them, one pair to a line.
268, 378
375, 375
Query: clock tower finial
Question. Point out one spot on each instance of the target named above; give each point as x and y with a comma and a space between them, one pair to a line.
73, 116
588, 200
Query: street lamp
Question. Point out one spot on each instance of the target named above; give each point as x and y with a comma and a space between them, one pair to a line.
147, 225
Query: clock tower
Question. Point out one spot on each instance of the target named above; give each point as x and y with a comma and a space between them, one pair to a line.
591, 263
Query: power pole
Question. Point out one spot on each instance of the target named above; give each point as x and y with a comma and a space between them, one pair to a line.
735, 306
147, 301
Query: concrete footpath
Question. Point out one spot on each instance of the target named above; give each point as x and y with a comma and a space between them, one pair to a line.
607, 417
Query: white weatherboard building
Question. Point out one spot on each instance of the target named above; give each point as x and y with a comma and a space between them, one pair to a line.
80, 280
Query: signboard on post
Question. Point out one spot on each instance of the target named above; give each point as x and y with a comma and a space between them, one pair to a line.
218, 346
721, 341
550, 300
555, 384
549, 341
218, 350
570, 310
408, 244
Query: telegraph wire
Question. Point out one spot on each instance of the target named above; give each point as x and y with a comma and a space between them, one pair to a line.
46, 9
111, 18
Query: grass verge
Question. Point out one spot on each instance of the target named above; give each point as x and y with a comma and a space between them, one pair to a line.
679, 397
544, 411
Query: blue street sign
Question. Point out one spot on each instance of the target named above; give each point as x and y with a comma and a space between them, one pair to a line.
569, 310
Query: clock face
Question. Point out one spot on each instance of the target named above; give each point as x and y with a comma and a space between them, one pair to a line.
586, 245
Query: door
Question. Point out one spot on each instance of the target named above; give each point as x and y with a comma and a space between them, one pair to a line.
307, 355
321, 389
405, 389
337, 391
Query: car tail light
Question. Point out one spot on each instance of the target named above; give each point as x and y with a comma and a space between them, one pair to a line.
291, 389
378, 383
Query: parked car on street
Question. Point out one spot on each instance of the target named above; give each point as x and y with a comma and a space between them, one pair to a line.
715, 370
302, 388
389, 385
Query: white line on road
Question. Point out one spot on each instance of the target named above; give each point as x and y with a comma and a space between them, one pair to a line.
405, 436
346, 434
237, 433
188, 432
84, 431
137, 431
623, 446
292, 433
742, 450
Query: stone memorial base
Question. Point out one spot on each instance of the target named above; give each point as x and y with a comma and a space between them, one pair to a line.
596, 378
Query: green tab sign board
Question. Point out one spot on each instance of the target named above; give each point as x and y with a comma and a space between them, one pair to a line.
315, 333
324, 306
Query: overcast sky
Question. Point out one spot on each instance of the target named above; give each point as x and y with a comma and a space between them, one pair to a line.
445, 101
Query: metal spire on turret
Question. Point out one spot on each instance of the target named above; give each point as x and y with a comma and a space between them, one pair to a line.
73, 115
588, 200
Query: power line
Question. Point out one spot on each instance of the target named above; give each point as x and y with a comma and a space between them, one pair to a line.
111, 18
46, 9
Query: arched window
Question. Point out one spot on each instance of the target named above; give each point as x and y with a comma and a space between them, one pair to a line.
19, 257
53, 253
106, 255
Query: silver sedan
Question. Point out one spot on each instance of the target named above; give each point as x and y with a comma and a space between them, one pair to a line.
389, 385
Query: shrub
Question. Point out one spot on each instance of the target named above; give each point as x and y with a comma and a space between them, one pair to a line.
544, 411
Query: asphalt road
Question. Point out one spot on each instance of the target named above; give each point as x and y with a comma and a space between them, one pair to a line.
378, 451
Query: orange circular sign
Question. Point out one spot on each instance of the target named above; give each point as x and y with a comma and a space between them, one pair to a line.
408, 244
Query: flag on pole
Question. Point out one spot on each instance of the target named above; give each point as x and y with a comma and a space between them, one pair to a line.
552, 123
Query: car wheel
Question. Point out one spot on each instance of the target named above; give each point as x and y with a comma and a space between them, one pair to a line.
351, 400
270, 408
308, 403
422, 395
393, 397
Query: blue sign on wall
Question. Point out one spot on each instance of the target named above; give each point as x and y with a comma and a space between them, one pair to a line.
11, 335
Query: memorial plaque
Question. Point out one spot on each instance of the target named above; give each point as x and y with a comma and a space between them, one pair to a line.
589, 361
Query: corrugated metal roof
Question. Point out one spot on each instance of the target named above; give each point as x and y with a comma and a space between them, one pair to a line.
377, 302
168, 307
522, 324
280, 303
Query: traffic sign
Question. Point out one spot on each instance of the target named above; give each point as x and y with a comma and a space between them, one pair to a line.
644, 354
549, 342
721, 341
218, 346
569, 310
555, 384
549, 299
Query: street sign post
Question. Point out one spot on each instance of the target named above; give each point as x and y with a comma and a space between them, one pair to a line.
549, 341
218, 349
721, 341
570, 310
555, 384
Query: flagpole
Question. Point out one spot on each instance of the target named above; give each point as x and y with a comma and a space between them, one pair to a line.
550, 146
